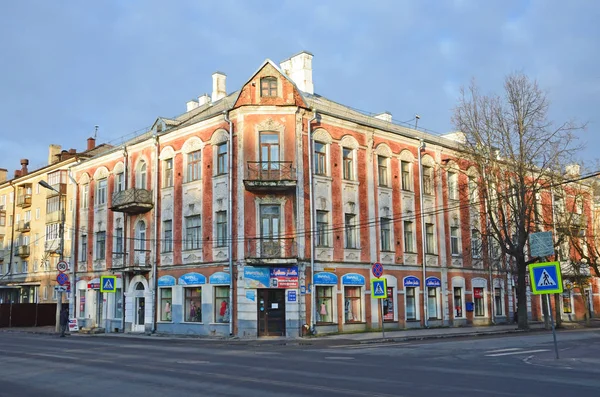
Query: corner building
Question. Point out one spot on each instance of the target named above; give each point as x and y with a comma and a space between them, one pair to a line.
257, 212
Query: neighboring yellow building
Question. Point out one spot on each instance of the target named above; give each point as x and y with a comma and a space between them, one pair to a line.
30, 225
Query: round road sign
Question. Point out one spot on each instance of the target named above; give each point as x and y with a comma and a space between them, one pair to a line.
62, 266
62, 279
377, 270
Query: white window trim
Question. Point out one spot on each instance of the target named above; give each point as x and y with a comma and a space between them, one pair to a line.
417, 304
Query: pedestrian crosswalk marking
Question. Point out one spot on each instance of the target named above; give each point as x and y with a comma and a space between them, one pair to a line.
546, 280
511, 353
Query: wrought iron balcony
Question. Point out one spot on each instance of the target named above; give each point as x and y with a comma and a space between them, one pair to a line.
24, 200
270, 175
23, 226
132, 201
23, 251
276, 248
139, 264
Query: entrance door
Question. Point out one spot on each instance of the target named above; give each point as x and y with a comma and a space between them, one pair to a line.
140, 314
271, 312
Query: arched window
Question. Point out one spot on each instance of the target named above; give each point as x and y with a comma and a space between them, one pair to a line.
140, 175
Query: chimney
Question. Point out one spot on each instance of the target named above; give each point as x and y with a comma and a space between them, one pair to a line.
3, 174
572, 169
17, 173
219, 90
91, 143
203, 99
72, 151
385, 116
53, 152
299, 69
24, 163
191, 105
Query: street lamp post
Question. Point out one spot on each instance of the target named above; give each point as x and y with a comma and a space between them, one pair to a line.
61, 247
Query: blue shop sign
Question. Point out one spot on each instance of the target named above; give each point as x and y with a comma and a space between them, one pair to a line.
353, 279
257, 277
192, 279
325, 278
433, 282
220, 278
166, 281
412, 281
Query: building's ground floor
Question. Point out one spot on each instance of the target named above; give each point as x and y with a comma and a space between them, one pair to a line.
291, 300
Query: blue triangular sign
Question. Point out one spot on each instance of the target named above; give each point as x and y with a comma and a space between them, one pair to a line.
379, 289
108, 284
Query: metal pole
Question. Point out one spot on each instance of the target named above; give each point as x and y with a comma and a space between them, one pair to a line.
552, 323
423, 237
61, 232
382, 323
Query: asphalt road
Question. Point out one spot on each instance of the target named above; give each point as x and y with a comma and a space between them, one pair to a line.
523, 365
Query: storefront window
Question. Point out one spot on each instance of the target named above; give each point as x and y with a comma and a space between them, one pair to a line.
166, 301
432, 303
388, 305
118, 303
498, 301
193, 305
478, 297
324, 305
458, 303
222, 309
411, 304
81, 303
352, 304
566, 302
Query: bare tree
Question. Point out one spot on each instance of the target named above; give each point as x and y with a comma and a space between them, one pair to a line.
517, 153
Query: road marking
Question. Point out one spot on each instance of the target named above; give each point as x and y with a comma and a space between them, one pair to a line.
510, 349
518, 352
339, 358
368, 345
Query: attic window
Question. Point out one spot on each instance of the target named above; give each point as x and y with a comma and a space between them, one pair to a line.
268, 87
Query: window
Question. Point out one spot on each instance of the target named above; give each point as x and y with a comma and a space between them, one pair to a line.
2, 218
83, 257
452, 186
322, 229
52, 204
386, 233
458, 302
222, 158
24, 267
427, 180
268, 87
320, 158
473, 190
166, 302
222, 311
411, 303
382, 169
498, 301
37, 213
348, 163
566, 298
118, 303
81, 298
194, 166
429, 239
388, 305
478, 298
85, 192
100, 245
352, 304
324, 305
221, 228
454, 240
193, 305
269, 154
405, 171
193, 239
432, 303
119, 240
141, 176
119, 182
167, 245
168, 173
476, 244
351, 240
101, 192
408, 237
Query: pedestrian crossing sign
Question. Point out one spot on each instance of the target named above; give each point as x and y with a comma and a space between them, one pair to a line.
108, 283
379, 288
546, 278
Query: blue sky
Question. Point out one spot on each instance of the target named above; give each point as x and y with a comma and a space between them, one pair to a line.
69, 65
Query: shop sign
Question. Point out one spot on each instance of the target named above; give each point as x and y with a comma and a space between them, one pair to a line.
251, 295
477, 293
192, 279
166, 281
433, 282
220, 278
94, 285
257, 277
291, 296
325, 278
412, 281
284, 277
353, 279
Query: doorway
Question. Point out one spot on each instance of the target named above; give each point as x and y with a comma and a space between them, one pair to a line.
271, 312
140, 314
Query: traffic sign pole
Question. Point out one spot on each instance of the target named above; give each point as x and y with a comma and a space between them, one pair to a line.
382, 323
553, 329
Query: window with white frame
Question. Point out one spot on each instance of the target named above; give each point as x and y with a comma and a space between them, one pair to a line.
119, 240
452, 185
168, 173
166, 304
350, 225
193, 304
322, 239
479, 301
427, 180
476, 243
473, 195
141, 175
221, 229
81, 300
429, 238
193, 238
221, 304
119, 182
498, 304
101, 191
101, 245
432, 302
385, 225
118, 302
222, 158
455, 240
24, 267
382, 171
348, 164
324, 304
408, 237
85, 192
167, 243
406, 179
353, 304
458, 302
320, 158
411, 303
194, 166
83, 256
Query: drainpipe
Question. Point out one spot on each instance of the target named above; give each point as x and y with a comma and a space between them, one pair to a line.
12, 233
492, 288
313, 315
74, 239
124, 255
423, 242
230, 218
154, 228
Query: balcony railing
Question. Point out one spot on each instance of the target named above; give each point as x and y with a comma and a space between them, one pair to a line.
269, 175
59, 189
24, 200
132, 201
23, 226
282, 248
53, 217
23, 251
51, 246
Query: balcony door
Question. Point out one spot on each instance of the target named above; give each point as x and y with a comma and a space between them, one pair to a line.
270, 221
140, 243
269, 156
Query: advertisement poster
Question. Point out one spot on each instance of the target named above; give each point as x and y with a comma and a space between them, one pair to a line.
271, 277
257, 277
388, 305
284, 277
